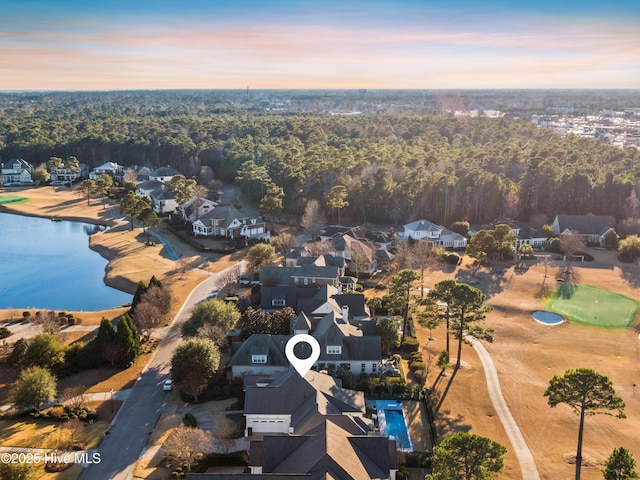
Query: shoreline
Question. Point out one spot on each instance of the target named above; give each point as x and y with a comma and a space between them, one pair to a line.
129, 260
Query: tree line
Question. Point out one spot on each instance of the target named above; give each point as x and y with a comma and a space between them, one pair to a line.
383, 166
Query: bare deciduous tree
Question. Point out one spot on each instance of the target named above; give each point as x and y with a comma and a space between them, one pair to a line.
159, 296
146, 317
213, 332
402, 256
283, 243
74, 395
361, 257
227, 280
184, 445
313, 218
315, 249
182, 265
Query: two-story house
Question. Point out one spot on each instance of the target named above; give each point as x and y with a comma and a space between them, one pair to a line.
228, 221
434, 235
16, 172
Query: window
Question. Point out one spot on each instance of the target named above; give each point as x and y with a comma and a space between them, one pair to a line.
278, 302
258, 359
363, 368
334, 349
374, 367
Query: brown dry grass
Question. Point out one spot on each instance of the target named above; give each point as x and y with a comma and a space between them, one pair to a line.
527, 354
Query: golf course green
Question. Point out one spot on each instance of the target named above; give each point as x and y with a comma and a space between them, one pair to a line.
4, 199
594, 306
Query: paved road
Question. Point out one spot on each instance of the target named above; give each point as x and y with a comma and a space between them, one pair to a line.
520, 447
130, 430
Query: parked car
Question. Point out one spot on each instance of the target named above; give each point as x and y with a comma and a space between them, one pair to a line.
167, 386
244, 280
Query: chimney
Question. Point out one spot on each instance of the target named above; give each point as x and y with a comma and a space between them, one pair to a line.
345, 313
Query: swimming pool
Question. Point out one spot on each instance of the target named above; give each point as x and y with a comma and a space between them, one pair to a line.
391, 423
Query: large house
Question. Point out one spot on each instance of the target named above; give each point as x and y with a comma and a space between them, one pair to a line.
434, 235
526, 235
341, 338
228, 221
593, 228
163, 200
310, 428
16, 172
110, 168
62, 175
286, 402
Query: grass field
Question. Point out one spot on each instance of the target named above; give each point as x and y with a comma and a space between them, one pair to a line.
13, 199
593, 306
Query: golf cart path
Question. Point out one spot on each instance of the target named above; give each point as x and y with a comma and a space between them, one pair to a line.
520, 447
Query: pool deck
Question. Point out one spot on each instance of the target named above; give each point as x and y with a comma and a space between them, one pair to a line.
415, 418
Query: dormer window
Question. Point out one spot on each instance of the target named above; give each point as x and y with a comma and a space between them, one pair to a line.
334, 349
258, 359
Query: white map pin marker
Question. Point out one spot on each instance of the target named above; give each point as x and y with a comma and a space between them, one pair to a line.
302, 365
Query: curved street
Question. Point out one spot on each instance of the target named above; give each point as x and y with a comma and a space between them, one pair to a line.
520, 447
122, 445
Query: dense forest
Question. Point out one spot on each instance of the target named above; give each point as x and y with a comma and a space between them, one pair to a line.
399, 155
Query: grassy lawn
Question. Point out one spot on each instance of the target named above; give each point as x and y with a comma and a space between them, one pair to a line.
6, 199
31, 433
593, 306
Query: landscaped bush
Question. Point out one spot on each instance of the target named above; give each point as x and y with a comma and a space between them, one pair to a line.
452, 258
189, 420
413, 366
419, 375
410, 344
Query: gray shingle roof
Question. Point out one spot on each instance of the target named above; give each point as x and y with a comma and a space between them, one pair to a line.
586, 224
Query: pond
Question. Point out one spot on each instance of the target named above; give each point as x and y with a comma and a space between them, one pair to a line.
48, 265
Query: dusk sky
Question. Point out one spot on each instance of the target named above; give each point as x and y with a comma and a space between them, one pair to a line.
212, 44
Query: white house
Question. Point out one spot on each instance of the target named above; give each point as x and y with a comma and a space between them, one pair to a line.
163, 174
435, 235
16, 172
110, 168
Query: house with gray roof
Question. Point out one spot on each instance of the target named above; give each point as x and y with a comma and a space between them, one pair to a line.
163, 174
310, 428
526, 235
342, 342
435, 235
593, 228
16, 172
286, 402
228, 221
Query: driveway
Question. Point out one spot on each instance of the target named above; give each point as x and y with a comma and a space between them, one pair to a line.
134, 422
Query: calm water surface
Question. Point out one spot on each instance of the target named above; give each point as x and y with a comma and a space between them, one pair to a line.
49, 265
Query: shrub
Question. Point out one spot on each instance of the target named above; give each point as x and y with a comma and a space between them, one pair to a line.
413, 366
189, 420
26, 315
62, 314
452, 258
72, 321
4, 332
419, 375
410, 344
